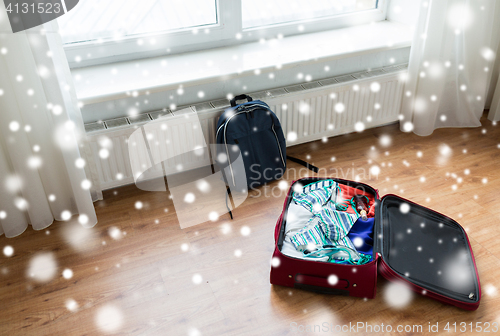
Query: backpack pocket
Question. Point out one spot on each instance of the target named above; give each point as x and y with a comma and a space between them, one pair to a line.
263, 157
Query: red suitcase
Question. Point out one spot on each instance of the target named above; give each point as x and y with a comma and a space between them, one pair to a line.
433, 235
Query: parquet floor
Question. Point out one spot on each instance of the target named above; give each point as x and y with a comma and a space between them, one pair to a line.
142, 284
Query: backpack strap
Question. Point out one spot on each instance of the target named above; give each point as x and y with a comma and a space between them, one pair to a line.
228, 192
240, 97
304, 163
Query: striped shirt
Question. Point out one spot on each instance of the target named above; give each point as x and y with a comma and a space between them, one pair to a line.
332, 226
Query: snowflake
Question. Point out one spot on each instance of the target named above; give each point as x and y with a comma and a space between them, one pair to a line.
8, 251
67, 273
13, 183
408, 126
109, 318
213, 216
115, 233
14, 126
375, 87
194, 332
375, 170
333, 280
225, 228
103, 153
245, 231
71, 305
203, 186
197, 279
222, 157
397, 295
65, 215
487, 54
339, 107
491, 290
86, 184
385, 140
42, 267
359, 126
283, 185
304, 108
291, 136
404, 208
358, 242
79, 163
83, 219
189, 198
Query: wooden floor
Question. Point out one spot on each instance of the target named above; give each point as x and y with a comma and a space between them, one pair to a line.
142, 284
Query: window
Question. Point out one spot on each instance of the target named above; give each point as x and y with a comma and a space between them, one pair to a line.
98, 31
118, 19
289, 11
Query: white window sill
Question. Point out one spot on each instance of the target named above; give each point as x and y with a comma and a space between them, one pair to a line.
97, 85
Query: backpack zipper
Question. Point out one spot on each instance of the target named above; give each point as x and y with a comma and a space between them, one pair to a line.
279, 147
225, 144
239, 109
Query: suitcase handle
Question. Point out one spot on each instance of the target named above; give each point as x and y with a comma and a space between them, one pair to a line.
319, 281
240, 97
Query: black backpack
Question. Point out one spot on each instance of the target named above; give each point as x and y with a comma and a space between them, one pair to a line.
253, 131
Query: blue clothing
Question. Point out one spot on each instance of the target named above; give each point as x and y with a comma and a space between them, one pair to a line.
364, 230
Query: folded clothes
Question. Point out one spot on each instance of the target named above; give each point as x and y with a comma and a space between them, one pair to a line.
330, 225
289, 250
297, 217
318, 230
315, 196
336, 224
339, 255
314, 236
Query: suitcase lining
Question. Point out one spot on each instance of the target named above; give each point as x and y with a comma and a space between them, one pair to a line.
408, 247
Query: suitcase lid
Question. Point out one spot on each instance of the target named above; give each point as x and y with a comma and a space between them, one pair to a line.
427, 249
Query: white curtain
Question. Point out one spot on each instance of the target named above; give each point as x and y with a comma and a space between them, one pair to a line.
494, 113
42, 175
451, 62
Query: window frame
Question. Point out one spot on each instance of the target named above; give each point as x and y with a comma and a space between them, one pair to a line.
223, 33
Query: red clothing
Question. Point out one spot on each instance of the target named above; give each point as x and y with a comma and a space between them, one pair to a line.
348, 192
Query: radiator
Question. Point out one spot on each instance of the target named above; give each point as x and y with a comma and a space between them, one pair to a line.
307, 112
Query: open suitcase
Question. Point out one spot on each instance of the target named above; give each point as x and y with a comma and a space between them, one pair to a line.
427, 235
